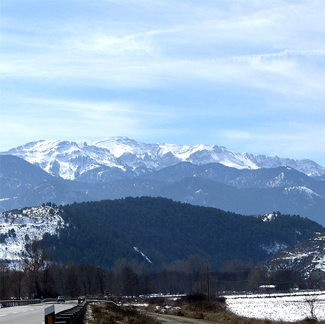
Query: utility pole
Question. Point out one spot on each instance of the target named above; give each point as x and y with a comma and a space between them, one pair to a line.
208, 282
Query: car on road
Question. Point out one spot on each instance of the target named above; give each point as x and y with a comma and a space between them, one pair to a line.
81, 299
61, 299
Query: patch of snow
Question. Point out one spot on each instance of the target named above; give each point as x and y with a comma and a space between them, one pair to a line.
200, 192
277, 181
310, 193
145, 257
274, 247
268, 217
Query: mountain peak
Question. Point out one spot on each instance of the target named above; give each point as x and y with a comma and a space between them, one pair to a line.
71, 159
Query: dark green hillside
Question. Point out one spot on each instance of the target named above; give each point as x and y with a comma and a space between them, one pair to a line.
101, 232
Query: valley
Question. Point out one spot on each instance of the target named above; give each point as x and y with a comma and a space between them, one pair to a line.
135, 218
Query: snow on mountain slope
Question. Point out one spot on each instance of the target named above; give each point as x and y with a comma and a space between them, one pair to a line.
67, 160
305, 166
70, 160
302, 189
305, 257
155, 154
17, 228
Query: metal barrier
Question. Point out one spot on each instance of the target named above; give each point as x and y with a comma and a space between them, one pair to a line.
12, 302
74, 315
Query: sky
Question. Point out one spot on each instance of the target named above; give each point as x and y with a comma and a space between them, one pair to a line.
247, 75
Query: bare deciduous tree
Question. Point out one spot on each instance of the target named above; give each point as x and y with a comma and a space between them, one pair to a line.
36, 267
311, 302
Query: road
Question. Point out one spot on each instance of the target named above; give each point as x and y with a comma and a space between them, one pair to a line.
30, 314
170, 319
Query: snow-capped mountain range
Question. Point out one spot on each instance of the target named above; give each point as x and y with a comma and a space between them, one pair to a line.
64, 172
121, 157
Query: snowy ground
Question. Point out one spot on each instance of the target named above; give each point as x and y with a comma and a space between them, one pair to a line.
278, 307
20, 227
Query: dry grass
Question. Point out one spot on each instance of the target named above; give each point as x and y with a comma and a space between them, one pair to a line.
111, 314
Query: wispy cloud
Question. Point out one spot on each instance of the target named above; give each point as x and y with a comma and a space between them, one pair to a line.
287, 72
172, 68
83, 119
117, 55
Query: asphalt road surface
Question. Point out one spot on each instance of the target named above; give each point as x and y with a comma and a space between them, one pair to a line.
30, 314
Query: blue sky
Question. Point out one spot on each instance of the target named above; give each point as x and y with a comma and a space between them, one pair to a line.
247, 75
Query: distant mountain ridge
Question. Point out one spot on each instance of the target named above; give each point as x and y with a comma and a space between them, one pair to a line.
65, 172
163, 230
121, 157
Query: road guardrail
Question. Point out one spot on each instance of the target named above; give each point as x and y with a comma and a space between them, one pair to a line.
74, 315
15, 302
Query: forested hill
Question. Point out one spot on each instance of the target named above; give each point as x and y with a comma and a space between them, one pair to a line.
165, 231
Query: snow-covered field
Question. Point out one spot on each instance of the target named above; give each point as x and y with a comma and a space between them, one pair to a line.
279, 307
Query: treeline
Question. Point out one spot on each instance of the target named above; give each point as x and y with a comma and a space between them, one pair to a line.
101, 232
38, 277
